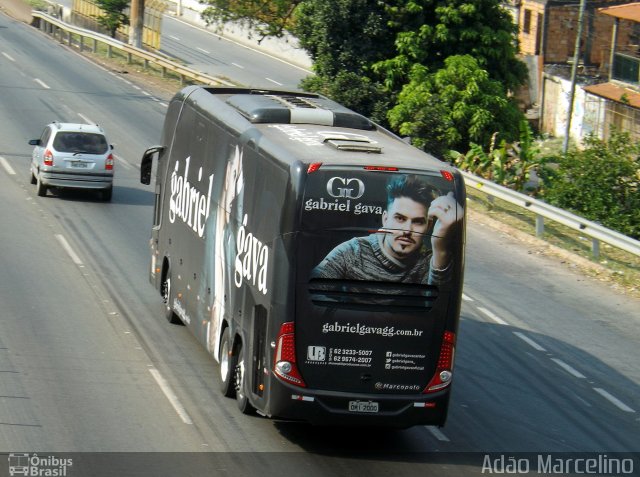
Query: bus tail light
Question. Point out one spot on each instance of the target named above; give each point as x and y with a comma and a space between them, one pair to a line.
284, 361
108, 164
48, 158
313, 167
447, 175
444, 370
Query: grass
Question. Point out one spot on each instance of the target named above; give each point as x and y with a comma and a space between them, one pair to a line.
615, 266
40, 5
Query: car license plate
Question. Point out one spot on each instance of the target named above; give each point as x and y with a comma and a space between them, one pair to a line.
363, 406
79, 164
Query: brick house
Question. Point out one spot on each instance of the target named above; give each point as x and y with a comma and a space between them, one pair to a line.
616, 102
547, 36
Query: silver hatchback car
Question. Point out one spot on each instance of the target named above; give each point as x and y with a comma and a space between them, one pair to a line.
70, 155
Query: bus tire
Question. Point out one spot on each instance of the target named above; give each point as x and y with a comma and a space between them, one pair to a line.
227, 365
240, 374
166, 299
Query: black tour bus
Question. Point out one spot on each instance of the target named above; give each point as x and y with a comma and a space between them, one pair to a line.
317, 256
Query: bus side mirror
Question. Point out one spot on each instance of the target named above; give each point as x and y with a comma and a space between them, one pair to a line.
146, 164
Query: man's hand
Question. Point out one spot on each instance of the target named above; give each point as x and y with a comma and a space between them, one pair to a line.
447, 212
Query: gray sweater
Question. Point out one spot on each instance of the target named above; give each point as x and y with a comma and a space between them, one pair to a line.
362, 258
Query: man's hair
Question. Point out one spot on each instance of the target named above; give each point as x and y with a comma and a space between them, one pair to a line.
412, 187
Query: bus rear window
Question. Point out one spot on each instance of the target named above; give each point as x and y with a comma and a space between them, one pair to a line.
379, 227
358, 199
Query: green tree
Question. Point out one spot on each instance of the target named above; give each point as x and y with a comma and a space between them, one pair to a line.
114, 16
600, 183
266, 17
345, 38
365, 52
453, 107
430, 31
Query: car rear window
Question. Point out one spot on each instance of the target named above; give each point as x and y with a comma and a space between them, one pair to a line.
87, 143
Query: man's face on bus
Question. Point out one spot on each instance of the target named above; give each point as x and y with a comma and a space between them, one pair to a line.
405, 222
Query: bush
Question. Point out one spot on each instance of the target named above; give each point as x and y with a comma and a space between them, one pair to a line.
600, 183
509, 164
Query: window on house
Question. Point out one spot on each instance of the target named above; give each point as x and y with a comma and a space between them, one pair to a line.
526, 26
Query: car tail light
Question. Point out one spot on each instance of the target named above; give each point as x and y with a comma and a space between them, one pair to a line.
108, 164
284, 361
48, 158
444, 370
381, 168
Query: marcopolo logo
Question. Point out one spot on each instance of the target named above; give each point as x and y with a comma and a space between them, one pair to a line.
35, 465
351, 188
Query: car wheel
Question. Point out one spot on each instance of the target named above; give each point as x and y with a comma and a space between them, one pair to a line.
33, 178
166, 299
41, 189
239, 381
227, 365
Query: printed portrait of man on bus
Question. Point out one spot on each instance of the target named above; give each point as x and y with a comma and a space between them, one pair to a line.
397, 251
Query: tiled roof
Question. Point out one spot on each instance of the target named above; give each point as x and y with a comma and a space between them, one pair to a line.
615, 92
628, 11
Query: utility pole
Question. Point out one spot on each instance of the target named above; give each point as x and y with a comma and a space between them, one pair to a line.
136, 21
574, 72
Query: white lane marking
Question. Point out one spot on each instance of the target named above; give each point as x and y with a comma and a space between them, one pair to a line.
67, 248
238, 66
568, 369
273, 81
174, 38
86, 119
491, 315
466, 297
6, 55
202, 50
438, 434
7, 166
171, 396
529, 341
41, 83
613, 400
124, 162
240, 44
146, 93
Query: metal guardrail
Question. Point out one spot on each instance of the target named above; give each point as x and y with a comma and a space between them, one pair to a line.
543, 210
57, 28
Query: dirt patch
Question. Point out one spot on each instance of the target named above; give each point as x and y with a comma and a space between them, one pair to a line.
17, 9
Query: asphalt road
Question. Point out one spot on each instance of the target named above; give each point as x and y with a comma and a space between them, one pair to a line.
547, 359
207, 52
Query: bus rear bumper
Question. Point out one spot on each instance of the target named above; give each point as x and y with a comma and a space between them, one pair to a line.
325, 408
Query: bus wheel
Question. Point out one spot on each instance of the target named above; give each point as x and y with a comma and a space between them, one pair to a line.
241, 398
166, 299
227, 365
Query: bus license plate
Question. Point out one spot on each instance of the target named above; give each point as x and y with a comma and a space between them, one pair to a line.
363, 406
